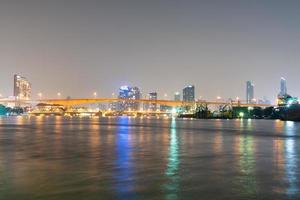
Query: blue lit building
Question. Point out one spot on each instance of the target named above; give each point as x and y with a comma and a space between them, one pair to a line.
126, 92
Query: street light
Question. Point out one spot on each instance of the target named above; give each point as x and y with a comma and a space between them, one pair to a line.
95, 94
40, 95
166, 95
58, 94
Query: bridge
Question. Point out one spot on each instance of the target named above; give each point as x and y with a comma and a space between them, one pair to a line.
171, 103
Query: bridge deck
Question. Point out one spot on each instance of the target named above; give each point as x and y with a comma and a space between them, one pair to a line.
73, 102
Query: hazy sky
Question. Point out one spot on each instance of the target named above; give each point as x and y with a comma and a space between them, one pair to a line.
78, 47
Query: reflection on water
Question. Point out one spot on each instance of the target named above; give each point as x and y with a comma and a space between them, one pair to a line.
172, 185
131, 158
218, 143
278, 151
291, 159
124, 167
218, 139
247, 165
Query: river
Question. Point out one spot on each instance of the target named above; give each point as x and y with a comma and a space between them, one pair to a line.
141, 158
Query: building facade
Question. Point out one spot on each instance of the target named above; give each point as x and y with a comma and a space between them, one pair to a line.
188, 93
283, 87
249, 91
22, 88
126, 92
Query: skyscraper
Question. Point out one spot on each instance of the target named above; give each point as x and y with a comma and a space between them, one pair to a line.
126, 92
177, 96
22, 87
249, 91
283, 87
188, 93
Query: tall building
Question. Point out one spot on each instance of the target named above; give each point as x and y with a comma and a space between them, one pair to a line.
188, 93
283, 87
133, 93
249, 92
177, 96
152, 96
22, 88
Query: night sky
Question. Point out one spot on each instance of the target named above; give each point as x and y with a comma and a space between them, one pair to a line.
78, 47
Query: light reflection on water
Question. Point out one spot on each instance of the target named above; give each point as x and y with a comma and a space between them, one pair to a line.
247, 165
124, 176
133, 158
291, 160
172, 185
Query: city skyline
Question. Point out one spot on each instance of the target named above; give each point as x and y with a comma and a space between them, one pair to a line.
149, 99
177, 95
157, 46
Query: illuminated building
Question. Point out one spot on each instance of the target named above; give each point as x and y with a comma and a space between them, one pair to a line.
249, 92
153, 96
177, 96
188, 94
22, 88
283, 88
287, 100
126, 92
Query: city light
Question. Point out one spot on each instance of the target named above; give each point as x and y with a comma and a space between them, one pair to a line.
149, 100
124, 87
174, 111
133, 101
22, 88
40, 95
241, 114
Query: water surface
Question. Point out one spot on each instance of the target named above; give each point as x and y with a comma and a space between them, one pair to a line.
133, 158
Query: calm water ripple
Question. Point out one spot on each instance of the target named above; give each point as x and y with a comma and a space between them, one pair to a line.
133, 158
